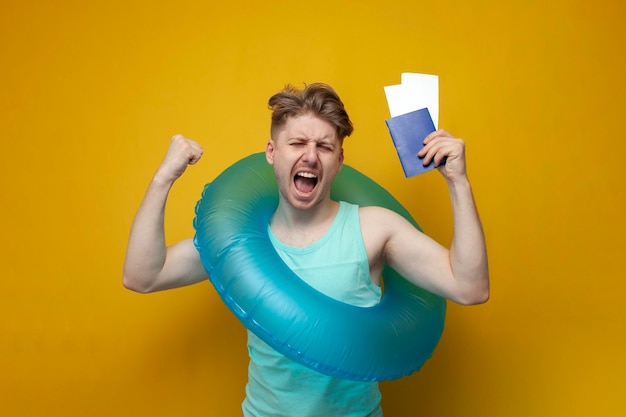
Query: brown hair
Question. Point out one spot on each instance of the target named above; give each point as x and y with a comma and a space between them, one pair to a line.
318, 99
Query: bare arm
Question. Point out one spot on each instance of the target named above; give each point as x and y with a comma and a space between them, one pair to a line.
150, 265
459, 273
468, 254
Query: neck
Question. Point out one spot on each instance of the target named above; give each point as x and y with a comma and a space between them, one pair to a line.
302, 227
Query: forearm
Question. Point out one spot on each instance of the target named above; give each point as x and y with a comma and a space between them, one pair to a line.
468, 253
146, 252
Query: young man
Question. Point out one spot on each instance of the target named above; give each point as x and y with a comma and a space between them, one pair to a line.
338, 248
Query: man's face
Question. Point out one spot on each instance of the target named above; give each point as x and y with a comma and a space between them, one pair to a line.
306, 155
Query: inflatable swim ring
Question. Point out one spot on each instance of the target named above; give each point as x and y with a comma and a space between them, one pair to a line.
386, 341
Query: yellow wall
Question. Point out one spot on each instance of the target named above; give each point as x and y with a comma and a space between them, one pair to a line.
92, 92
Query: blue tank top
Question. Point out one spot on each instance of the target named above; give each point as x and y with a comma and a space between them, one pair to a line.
337, 266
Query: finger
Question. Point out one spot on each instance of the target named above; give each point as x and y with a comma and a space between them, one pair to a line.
428, 153
436, 134
429, 143
190, 150
434, 139
195, 157
194, 151
440, 159
435, 142
438, 152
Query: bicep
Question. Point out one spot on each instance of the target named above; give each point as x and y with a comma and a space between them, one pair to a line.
417, 257
182, 267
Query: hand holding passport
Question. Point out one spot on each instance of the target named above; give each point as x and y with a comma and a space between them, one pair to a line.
413, 105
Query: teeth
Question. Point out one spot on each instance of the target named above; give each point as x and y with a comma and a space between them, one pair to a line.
306, 175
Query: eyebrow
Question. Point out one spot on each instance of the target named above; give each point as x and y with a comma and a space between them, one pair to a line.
305, 139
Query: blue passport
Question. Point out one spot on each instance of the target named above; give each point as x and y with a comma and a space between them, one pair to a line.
408, 132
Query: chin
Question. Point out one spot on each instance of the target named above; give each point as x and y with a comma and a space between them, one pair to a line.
303, 203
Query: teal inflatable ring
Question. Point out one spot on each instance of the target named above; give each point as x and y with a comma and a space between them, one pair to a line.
389, 340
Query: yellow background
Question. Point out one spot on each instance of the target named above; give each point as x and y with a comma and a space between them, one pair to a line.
92, 92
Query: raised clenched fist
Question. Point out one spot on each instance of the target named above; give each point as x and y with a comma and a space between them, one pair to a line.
181, 153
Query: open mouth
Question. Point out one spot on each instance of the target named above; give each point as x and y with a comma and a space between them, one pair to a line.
305, 182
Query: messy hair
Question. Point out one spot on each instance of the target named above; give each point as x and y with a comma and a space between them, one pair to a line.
317, 99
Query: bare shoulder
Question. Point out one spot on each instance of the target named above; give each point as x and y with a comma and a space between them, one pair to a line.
373, 211
378, 226
380, 218
384, 231
389, 232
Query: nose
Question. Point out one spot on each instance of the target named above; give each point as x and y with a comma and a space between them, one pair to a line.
310, 152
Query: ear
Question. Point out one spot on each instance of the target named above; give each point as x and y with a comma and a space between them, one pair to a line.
340, 158
269, 152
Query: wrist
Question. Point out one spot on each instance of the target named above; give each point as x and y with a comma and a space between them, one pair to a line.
460, 182
162, 181
167, 174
